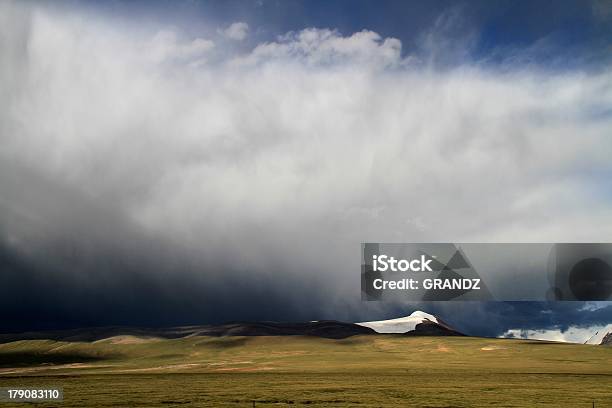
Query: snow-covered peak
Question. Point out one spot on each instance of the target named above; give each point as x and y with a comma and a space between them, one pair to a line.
599, 335
401, 324
424, 315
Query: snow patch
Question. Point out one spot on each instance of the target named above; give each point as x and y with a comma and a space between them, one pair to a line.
401, 324
599, 335
573, 334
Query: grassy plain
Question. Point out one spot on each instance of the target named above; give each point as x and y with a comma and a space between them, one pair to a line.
361, 371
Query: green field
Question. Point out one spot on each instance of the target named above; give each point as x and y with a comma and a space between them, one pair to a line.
361, 371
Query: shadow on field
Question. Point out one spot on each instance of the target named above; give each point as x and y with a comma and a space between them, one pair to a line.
26, 359
226, 342
544, 343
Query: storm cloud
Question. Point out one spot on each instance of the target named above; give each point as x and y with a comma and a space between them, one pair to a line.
148, 176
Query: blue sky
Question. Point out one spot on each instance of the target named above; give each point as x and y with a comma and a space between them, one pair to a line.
559, 34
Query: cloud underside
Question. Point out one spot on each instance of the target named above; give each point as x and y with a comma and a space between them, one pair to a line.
269, 166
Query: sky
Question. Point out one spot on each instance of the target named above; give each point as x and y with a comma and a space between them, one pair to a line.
167, 163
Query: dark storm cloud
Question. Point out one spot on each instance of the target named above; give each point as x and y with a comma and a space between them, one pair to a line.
69, 261
149, 176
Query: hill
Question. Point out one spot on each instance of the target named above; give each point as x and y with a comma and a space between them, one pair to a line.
325, 328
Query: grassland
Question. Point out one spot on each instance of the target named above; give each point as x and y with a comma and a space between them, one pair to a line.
361, 371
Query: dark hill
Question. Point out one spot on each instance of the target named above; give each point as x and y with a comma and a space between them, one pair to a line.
429, 328
326, 328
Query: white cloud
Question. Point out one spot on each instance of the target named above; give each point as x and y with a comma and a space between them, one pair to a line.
166, 46
236, 31
312, 144
323, 46
593, 306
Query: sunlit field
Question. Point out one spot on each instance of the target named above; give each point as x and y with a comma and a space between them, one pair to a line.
364, 371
